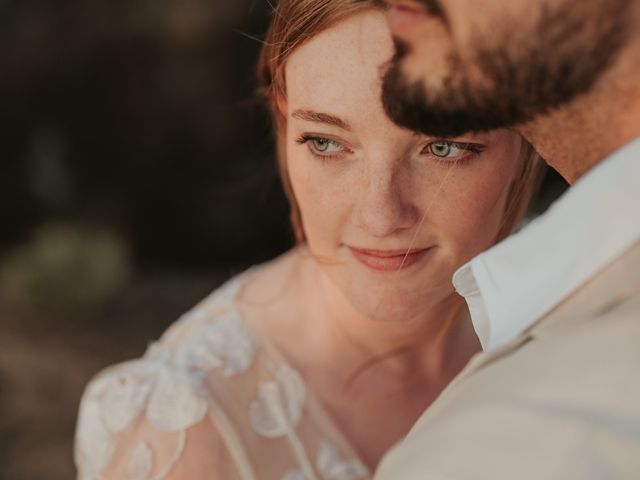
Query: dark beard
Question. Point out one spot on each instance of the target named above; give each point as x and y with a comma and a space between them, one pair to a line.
547, 69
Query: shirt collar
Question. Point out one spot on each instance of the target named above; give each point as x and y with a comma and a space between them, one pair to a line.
515, 283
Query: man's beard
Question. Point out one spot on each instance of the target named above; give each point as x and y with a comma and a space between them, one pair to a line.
523, 78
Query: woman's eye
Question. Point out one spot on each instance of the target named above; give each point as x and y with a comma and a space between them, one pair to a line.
324, 145
446, 149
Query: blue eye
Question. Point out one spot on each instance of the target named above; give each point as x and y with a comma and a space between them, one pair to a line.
446, 149
324, 145
452, 152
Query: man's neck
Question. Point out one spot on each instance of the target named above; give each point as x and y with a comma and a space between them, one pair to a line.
576, 137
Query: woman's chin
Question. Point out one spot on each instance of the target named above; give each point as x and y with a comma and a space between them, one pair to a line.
392, 307
406, 296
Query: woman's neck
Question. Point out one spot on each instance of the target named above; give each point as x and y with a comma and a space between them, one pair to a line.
340, 338
374, 377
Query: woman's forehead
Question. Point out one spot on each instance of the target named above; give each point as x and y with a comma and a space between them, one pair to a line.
340, 67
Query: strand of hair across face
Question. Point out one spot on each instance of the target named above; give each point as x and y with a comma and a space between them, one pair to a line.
448, 323
424, 215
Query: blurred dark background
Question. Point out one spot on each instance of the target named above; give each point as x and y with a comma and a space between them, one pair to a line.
137, 175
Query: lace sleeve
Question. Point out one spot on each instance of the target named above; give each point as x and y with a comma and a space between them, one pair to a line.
210, 400
148, 420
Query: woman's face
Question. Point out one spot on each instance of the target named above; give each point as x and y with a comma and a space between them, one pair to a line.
391, 214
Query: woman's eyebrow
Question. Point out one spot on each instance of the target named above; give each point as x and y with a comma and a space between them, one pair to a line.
318, 117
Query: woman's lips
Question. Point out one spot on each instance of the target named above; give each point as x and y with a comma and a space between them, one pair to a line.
388, 260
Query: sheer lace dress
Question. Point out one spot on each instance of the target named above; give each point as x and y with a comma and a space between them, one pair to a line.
210, 400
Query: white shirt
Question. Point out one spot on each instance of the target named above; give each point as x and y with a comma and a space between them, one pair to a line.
514, 284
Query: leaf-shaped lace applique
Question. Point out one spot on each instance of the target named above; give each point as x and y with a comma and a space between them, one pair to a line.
227, 342
331, 467
177, 400
141, 462
171, 395
124, 398
94, 445
278, 408
293, 475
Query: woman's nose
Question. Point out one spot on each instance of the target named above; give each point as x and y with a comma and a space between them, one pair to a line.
385, 207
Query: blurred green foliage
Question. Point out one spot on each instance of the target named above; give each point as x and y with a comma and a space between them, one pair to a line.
65, 267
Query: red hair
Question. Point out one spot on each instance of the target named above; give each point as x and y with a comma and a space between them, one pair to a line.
296, 21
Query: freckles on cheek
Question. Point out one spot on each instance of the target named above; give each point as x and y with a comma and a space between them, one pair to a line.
478, 210
314, 197
487, 199
486, 189
306, 181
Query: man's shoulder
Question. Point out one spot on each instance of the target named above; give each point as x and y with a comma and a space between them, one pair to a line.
561, 403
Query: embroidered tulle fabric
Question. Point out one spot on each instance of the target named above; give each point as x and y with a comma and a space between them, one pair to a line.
210, 400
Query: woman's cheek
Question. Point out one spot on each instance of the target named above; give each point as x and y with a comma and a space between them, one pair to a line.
474, 218
318, 200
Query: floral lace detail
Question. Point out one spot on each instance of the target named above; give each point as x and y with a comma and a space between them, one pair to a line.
169, 391
278, 408
167, 387
227, 343
331, 467
171, 396
141, 462
294, 475
93, 445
